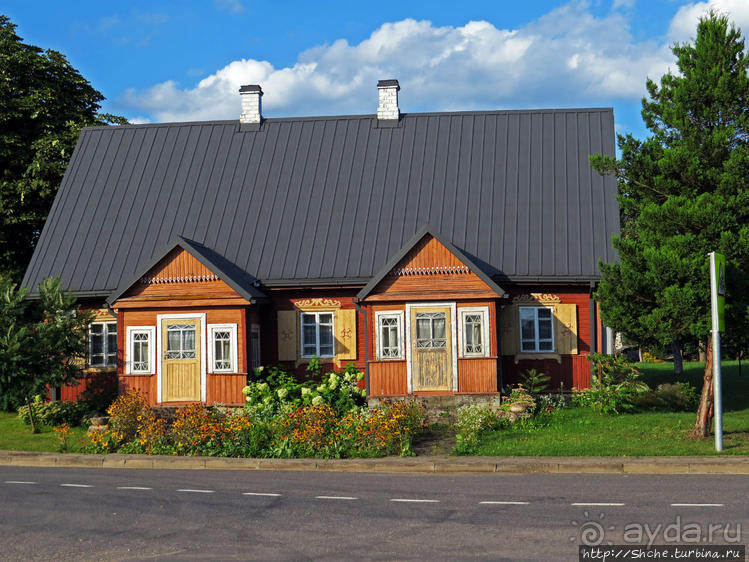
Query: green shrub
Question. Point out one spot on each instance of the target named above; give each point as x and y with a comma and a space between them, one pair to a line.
127, 413
56, 413
518, 397
614, 389
534, 381
100, 392
471, 422
276, 392
669, 397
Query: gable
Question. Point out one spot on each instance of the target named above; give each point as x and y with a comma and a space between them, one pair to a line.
429, 271
178, 275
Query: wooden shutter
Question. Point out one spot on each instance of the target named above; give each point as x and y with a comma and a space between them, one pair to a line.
288, 334
509, 330
345, 334
565, 328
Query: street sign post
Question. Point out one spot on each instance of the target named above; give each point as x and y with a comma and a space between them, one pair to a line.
717, 298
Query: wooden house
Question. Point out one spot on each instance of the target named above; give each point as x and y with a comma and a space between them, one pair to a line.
442, 253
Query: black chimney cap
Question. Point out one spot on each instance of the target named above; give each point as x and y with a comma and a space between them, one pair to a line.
250, 88
387, 83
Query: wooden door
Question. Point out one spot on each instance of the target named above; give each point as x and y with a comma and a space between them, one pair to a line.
181, 360
431, 349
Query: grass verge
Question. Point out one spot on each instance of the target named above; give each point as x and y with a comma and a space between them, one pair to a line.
16, 436
581, 432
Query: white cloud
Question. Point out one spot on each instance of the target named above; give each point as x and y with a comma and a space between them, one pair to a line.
568, 57
623, 4
231, 6
684, 24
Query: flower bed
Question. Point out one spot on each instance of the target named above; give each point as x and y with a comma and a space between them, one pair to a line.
282, 418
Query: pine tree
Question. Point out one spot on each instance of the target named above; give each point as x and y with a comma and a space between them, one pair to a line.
683, 193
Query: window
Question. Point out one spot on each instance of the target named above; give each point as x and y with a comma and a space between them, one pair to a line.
431, 329
222, 351
141, 354
102, 344
317, 334
474, 331
536, 329
180, 341
255, 346
389, 335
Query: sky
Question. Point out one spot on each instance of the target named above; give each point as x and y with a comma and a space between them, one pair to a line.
185, 60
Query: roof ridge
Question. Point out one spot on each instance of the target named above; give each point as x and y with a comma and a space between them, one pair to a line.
363, 116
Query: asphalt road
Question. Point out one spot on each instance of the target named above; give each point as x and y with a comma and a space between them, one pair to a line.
102, 514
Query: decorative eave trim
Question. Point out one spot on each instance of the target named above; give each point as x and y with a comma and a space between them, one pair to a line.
251, 294
435, 270
186, 279
408, 246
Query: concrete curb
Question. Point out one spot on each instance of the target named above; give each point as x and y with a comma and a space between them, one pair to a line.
427, 464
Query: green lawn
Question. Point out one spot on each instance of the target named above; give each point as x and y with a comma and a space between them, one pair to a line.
581, 432
17, 436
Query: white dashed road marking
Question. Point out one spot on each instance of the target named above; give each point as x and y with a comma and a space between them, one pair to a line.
504, 503
597, 504
407, 500
335, 498
196, 491
76, 485
697, 505
133, 488
271, 495
18, 482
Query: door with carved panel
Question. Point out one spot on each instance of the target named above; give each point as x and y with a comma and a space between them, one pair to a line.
181, 360
431, 348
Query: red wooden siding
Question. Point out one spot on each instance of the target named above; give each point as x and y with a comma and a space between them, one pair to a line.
388, 378
226, 389
145, 385
572, 372
96, 379
477, 375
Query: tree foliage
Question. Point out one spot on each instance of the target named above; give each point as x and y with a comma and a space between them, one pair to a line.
682, 194
44, 102
43, 344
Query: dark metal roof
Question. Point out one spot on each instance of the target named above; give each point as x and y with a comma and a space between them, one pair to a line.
240, 281
428, 229
305, 200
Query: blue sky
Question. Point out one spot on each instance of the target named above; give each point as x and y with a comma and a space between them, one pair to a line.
176, 61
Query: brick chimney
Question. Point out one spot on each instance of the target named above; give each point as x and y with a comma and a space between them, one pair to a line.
387, 110
251, 106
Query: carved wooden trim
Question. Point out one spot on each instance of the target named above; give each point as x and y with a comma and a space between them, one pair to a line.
317, 303
536, 298
434, 270
186, 279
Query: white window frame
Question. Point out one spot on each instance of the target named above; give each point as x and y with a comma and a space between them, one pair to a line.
151, 331
483, 311
536, 331
316, 314
400, 316
105, 344
212, 329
